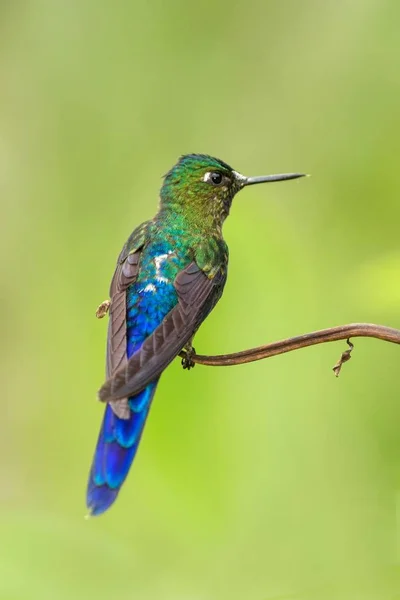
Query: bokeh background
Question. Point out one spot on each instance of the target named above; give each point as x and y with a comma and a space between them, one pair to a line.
266, 481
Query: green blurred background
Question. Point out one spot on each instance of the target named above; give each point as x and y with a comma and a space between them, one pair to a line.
266, 481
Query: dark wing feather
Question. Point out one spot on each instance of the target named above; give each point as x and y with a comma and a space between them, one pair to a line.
197, 294
125, 274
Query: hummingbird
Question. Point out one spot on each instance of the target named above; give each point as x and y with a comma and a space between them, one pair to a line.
169, 276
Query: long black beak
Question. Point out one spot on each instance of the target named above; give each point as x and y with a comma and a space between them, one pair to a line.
269, 178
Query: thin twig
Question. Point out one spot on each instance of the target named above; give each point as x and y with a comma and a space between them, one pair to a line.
346, 355
333, 334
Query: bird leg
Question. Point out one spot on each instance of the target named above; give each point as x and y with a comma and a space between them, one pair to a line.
102, 309
187, 362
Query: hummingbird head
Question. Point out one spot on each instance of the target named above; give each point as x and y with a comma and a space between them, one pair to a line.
202, 186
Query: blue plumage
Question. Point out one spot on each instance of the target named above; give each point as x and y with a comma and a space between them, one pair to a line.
149, 299
115, 451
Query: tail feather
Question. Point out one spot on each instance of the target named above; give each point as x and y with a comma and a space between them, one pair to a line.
116, 448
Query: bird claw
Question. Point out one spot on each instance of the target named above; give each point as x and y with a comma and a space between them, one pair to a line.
102, 309
187, 361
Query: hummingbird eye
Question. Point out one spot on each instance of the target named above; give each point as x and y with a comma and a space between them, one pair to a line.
216, 178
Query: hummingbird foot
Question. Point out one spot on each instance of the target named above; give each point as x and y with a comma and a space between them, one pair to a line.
102, 309
187, 361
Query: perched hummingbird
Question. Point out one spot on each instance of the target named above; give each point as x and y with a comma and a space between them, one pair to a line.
169, 276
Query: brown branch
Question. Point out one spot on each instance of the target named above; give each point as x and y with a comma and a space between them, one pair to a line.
333, 334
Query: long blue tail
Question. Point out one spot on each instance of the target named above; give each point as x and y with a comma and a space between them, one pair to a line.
116, 448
